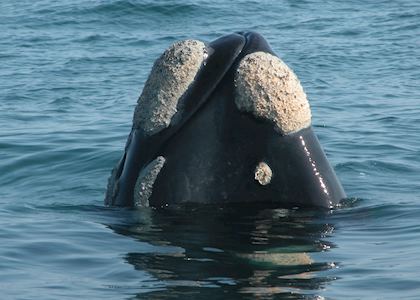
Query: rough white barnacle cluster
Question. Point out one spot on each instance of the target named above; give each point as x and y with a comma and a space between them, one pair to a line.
268, 88
144, 185
263, 173
171, 75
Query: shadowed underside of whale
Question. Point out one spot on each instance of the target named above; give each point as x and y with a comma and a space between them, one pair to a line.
223, 122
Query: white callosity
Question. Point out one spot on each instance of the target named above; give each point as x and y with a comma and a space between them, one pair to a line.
144, 185
171, 75
263, 173
266, 87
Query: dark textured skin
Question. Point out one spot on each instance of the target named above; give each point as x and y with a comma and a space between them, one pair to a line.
212, 152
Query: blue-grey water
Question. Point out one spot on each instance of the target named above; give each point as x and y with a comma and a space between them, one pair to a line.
70, 75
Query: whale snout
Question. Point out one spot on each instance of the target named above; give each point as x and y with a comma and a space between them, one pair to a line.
221, 122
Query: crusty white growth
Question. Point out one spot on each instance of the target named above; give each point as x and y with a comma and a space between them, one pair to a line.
263, 173
268, 88
144, 184
171, 75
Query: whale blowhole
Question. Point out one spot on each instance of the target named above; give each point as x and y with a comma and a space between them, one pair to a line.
171, 75
266, 87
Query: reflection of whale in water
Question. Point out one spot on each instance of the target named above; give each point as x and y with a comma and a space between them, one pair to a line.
233, 253
223, 122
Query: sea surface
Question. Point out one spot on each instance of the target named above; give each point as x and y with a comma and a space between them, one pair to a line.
70, 75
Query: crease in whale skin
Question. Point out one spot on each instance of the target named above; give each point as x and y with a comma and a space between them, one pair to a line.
250, 139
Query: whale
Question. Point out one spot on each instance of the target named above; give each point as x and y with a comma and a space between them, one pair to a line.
225, 122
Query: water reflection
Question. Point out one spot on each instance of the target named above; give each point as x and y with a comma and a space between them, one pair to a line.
231, 252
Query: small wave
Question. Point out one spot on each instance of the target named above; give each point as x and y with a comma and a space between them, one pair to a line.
118, 8
371, 165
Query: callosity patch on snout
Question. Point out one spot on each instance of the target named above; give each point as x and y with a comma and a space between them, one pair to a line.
145, 181
171, 75
266, 87
263, 173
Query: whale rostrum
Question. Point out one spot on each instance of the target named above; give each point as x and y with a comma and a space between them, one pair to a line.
223, 122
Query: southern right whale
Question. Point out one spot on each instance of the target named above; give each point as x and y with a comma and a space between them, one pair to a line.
223, 122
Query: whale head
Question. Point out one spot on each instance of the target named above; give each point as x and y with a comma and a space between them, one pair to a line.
223, 122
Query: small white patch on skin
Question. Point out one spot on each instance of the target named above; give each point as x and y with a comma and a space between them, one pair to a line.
266, 87
263, 173
144, 185
171, 75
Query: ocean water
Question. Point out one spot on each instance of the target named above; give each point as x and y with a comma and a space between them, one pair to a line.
70, 75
